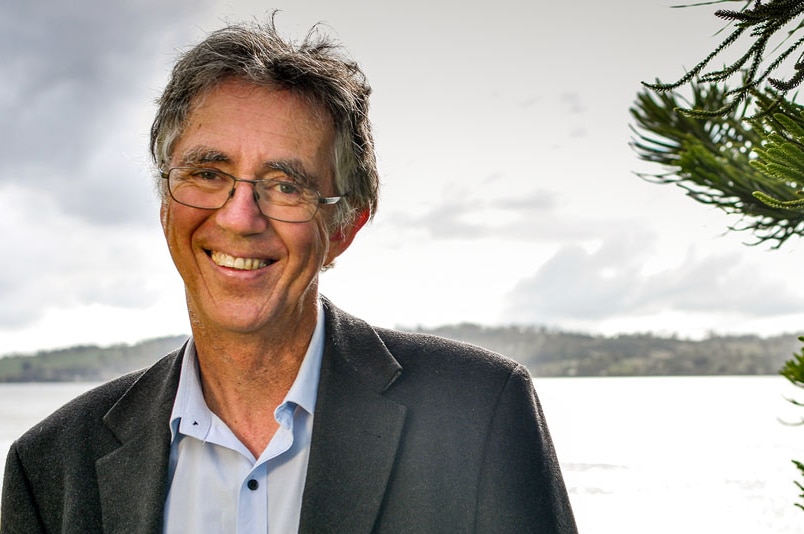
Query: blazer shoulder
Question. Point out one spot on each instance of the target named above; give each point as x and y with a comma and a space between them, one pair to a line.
439, 353
83, 414
415, 358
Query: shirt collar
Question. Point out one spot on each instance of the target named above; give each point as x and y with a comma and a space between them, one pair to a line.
191, 415
304, 390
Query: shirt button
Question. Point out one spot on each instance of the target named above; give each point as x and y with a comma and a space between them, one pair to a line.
253, 484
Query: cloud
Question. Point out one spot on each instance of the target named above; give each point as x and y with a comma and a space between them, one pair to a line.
571, 102
77, 83
492, 210
77, 209
55, 261
613, 281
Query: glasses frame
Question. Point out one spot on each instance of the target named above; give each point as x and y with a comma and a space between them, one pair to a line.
322, 200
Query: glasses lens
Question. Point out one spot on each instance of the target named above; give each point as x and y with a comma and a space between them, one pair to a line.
199, 188
286, 201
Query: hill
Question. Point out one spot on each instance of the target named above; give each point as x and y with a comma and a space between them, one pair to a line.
85, 363
545, 352
554, 353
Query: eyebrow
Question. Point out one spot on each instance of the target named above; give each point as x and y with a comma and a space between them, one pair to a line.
203, 155
294, 169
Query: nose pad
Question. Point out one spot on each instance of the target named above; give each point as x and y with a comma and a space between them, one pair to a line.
254, 194
239, 216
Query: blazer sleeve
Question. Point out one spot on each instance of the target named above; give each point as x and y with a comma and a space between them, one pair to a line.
521, 488
19, 513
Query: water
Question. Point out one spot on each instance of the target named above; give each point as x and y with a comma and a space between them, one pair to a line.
658, 455
670, 455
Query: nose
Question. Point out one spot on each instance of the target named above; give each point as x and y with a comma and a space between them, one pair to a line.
241, 214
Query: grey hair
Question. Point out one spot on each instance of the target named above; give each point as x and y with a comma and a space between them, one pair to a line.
314, 69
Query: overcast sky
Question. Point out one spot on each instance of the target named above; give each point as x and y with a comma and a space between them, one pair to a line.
509, 193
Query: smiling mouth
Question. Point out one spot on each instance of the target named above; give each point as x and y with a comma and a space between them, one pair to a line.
243, 264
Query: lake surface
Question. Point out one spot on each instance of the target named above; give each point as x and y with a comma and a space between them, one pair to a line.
658, 455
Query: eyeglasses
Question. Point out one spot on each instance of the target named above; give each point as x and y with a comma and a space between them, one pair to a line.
210, 189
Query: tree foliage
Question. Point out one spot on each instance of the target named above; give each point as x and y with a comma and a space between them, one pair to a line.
761, 22
749, 167
793, 370
739, 149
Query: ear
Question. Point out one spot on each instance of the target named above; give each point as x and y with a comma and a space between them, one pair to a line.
340, 239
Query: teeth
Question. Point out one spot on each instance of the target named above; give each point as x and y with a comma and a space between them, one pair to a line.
244, 264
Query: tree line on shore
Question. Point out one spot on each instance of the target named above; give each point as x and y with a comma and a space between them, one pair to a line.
545, 352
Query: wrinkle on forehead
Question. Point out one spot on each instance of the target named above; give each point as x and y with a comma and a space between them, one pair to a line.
297, 169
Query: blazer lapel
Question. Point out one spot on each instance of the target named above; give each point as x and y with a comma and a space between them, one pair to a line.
132, 480
356, 431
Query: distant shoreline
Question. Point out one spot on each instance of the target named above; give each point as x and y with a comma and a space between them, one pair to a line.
545, 352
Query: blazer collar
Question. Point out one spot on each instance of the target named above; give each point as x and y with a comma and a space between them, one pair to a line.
356, 430
358, 352
132, 480
356, 433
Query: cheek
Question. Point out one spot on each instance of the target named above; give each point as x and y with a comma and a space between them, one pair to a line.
179, 224
313, 244
164, 217
324, 239
169, 226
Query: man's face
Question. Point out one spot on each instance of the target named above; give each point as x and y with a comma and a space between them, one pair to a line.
245, 131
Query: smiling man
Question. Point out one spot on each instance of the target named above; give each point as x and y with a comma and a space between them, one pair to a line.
283, 413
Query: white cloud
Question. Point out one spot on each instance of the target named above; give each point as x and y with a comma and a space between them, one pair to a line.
72, 71
58, 261
578, 285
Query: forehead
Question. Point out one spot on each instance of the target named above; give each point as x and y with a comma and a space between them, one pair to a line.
246, 125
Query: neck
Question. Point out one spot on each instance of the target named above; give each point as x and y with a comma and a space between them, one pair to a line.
245, 376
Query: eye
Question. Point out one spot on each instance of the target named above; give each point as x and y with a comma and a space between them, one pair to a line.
206, 175
288, 189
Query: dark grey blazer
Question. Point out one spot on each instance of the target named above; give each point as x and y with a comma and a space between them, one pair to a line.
411, 434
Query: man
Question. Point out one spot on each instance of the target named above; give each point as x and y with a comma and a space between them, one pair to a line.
283, 413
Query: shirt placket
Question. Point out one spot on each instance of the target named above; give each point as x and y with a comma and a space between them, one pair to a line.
254, 498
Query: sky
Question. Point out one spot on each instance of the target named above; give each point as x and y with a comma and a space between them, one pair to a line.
509, 189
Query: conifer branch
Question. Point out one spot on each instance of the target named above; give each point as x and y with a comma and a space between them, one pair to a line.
761, 22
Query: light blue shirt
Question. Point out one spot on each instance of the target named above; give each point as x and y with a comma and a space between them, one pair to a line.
216, 484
